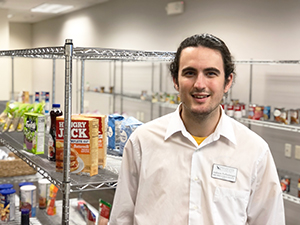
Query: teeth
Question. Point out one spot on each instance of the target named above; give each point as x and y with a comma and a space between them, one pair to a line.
200, 97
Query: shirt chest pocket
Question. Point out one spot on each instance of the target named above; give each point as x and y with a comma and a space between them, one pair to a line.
230, 206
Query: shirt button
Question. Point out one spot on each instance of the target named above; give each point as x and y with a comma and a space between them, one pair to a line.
195, 207
196, 178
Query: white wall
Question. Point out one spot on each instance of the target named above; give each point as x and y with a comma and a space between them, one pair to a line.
257, 29
5, 89
20, 36
252, 29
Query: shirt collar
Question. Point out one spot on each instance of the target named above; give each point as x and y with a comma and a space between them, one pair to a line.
224, 127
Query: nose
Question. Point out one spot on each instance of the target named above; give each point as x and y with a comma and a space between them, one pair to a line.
200, 81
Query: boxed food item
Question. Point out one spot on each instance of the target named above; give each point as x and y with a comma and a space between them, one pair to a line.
102, 145
84, 145
127, 127
34, 133
104, 212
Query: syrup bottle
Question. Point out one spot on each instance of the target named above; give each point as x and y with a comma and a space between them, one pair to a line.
55, 112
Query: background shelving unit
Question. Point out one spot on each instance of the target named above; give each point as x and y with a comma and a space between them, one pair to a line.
67, 182
107, 178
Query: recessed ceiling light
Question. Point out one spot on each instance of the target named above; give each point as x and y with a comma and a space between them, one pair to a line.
9, 16
51, 8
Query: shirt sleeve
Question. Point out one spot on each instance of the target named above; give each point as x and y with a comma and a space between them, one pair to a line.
266, 201
125, 196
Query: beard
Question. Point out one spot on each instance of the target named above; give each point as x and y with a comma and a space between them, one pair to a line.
200, 115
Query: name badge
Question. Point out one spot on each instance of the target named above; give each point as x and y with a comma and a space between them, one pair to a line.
224, 173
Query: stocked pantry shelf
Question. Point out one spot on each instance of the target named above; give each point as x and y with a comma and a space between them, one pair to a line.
106, 179
43, 218
136, 97
268, 124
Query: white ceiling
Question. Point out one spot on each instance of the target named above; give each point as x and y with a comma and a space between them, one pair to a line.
20, 9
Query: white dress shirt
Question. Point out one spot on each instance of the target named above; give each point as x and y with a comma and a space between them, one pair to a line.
166, 178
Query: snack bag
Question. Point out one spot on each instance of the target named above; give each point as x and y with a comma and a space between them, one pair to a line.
4, 115
28, 108
90, 216
104, 212
113, 131
51, 208
12, 107
39, 107
17, 116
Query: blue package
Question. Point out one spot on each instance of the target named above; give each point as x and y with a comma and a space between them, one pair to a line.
113, 130
127, 127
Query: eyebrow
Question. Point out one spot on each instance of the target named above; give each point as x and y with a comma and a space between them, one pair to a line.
188, 69
205, 70
212, 69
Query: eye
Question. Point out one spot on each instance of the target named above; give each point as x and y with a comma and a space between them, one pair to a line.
212, 73
189, 73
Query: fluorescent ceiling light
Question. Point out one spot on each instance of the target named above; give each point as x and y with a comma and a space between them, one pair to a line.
51, 8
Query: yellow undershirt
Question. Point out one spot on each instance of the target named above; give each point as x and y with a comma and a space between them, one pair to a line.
199, 140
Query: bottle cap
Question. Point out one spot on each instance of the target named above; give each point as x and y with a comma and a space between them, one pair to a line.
55, 105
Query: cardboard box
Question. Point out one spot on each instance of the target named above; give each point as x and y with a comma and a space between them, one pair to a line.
102, 143
84, 145
34, 133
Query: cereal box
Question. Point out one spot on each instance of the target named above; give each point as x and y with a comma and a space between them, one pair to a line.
84, 145
102, 145
34, 133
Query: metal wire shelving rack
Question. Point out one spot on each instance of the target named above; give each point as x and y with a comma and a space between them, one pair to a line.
106, 179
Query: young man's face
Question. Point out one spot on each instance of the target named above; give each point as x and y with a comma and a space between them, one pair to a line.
201, 81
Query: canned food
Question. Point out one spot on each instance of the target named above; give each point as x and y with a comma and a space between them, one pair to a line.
285, 183
258, 112
230, 110
44, 185
7, 204
281, 115
28, 199
267, 113
294, 114
237, 111
243, 109
251, 110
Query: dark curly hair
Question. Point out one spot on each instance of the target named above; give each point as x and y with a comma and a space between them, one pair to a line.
208, 41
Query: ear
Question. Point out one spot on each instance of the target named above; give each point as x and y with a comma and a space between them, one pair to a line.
229, 83
175, 84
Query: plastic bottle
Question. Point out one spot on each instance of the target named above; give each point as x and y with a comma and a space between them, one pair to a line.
37, 97
25, 217
55, 112
47, 112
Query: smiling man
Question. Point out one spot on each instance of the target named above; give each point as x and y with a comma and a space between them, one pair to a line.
197, 166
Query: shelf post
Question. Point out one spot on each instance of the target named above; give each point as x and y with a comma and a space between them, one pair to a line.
114, 93
67, 130
152, 90
82, 87
250, 82
53, 81
12, 79
121, 105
